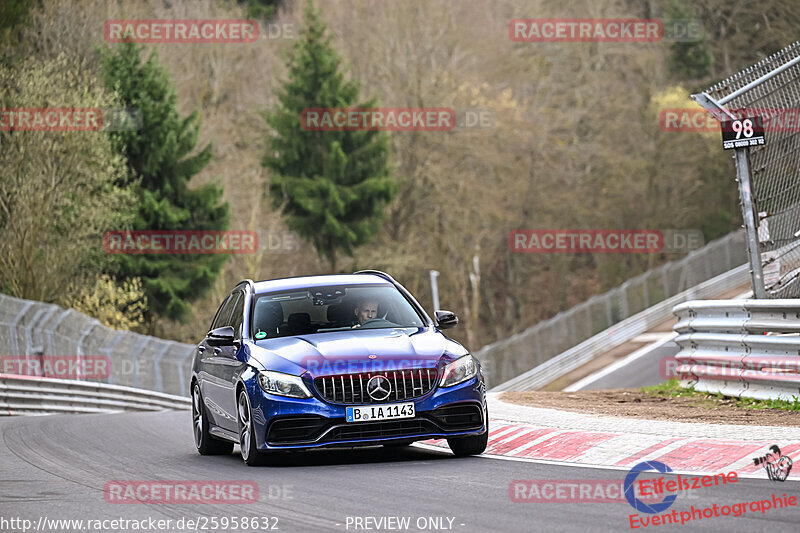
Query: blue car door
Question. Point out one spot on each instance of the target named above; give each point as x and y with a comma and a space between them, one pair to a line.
229, 366
213, 371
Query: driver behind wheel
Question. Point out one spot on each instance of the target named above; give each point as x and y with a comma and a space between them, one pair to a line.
366, 309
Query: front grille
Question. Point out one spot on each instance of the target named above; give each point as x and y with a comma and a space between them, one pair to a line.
461, 417
295, 429
380, 430
352, 388
290, 430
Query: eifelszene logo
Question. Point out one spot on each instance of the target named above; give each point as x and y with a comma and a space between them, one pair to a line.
637, 503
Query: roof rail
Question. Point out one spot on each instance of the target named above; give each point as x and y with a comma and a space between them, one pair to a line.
377, 273
247, 281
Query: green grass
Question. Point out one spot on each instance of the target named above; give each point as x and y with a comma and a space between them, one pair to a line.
673, 389
669, 388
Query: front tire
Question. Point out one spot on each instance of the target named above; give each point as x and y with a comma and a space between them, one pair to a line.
472, 445
247, 436
203, 441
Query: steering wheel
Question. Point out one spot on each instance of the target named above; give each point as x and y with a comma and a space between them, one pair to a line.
376, 320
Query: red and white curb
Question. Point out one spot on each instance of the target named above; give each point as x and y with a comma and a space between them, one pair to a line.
624, 450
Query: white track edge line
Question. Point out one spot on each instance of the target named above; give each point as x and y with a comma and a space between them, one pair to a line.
616, 365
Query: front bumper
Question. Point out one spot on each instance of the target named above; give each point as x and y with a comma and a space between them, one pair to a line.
292, 423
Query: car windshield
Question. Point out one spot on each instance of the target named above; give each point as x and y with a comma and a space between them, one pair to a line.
333, 308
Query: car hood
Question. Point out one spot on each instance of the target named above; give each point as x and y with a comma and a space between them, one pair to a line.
352, 351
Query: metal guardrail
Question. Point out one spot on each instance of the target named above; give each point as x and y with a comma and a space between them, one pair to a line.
30, 328
742, 348
606, 314
621, 333
26, 395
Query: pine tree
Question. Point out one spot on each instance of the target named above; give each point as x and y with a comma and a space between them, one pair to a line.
14, 16
159, 155
692, 59
332, 185
261, 9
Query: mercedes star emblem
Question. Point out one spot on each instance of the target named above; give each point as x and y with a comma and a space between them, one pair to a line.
379, 388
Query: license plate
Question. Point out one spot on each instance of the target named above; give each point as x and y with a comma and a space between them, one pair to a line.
369, 413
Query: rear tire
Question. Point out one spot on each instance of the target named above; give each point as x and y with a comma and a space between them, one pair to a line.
205, 443
247, 436
472, 445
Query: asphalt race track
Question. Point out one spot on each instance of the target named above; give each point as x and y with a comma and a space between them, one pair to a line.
642, 372
56, 467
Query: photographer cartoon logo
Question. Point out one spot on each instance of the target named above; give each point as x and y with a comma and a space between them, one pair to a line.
777, 466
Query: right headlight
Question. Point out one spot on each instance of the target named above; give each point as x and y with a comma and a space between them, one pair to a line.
283, 384
459, 371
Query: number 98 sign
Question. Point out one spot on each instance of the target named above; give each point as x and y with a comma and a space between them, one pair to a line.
743, 127
742, 132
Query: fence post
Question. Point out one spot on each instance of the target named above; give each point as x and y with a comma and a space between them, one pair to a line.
743, 176
623, 301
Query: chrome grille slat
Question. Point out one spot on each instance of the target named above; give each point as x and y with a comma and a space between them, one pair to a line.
344, 391
352, 389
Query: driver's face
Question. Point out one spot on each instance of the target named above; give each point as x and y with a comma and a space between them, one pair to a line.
366, 311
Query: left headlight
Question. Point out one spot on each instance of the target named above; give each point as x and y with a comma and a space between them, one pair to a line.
283, 384
459, 371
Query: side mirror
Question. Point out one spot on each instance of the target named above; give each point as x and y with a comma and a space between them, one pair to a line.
446, 319
221, 336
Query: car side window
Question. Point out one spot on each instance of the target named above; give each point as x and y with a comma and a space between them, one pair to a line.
224, 313
219, 312
238, 316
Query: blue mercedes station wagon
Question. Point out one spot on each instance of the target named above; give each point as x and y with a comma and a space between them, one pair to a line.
340, 360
